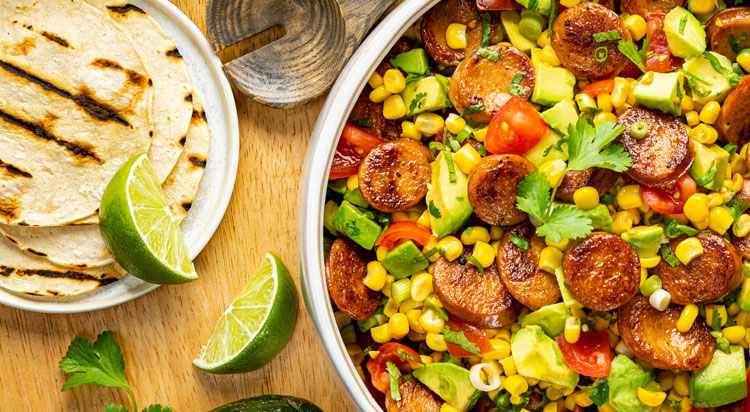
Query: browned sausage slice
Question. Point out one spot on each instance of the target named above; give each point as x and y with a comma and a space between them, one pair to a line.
643, 7
664, 155
735, 22
436, 21
367, 110
480, 299
481, 80
600, 179
573, 41
705, 279
493, 187
531, 286
653, 336
734, 118
346, 268
394, 176
415, 397
602, 271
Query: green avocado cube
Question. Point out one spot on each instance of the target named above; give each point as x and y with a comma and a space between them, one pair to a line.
426, 95
353, 223
405, 260
553, 84
541, 6
709, 165
645, 240
510, 19
536, 355
722, 381
586, 103
685, 34
561, 115
600, 218
715, 85
448, 202
660, 91
536, 155
568, 298
451, 382
414, 61
551, 318
625, 377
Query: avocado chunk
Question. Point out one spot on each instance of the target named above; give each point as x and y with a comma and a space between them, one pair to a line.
660, 91
355, 197
743, 298
541, 6
586, 103
722, 381
509, 19
337, 186
536, 155
551, 318
600, 218
447, 201
414, 61
553, 84
537, 356
561, 115
405, 260
685, 34
450, 382
568, 298
715, 85
645, 240
329, 210
353, 223
709, 165
625, 377
426, 95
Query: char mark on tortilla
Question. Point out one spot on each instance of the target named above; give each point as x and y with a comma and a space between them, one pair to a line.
99, 110
36, 252
55, 38
14, 170
189, 97
5, 270
56, 274
76, 149
197, 161
174, 53
125, 8
183, 141
187, 206
133, 76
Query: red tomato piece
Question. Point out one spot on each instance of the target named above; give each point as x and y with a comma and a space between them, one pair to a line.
473, 333
631, 71
589, 356
404, 230
498, 5
515, 128
388, 353
360, 138
664, 202
354, 145
661, 60
600, 87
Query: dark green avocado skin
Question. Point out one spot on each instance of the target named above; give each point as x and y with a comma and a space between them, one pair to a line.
269, 403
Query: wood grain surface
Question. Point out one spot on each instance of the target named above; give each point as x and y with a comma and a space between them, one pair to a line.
162, 332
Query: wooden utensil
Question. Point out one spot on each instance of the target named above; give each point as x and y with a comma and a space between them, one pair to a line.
319, 38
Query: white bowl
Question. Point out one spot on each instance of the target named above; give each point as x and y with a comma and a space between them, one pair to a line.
312, 189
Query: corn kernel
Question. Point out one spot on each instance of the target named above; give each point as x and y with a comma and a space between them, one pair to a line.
629, 197
399, 217
553, 393
688, 249
412, 317
394, 107
429, 123
550, 258
424, 219
553, 170
484, 253
687, 318
496, 232
696, 207
569, 3
742, 226
738, 164
421, 286
637, 26
509, 366
714, 199
586, 197
382, 333
466, 158
604, 102
733, 309
543, 40
682, 383
650, 398
376, 275
455, 36
375, 81
622, 221
379, 94
631, 93
701, 6
436, 342
743, 59
704, 133
582, 399
716, 310
451, 247
399, 325
391, 307
500, 350
446, 407
549, 56
687, 104
394, 81
409, 131
559, 245
650, 262
719, 220
734, 334
693, 119
516, 385
431, 245
570, 403
619, 92
480, 134
572, 331
454, 123
503, 334
431, 322
602, 117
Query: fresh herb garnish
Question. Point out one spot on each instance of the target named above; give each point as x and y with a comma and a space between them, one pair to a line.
101, 364
482, 150
434, 211
362, 122
440, 312
599, 394
735, 208
553, 17
673, 229
472, 109
416, 103
411, 77
520, 242
486, 30
601, 54
393, 374
488, 54
683, 21
513, 87
430, 253
474, 261
405, 356
606, 36
459, 339
589, 146
733, 77
716, 320
736, 43
692, 83
557, 145
668, 256
707, 178
451, 167
629, 50
673, 404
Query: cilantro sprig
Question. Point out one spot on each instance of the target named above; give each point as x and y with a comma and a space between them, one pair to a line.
100, 364
588, 146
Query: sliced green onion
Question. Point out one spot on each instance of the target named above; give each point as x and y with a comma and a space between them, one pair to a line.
601, 54
474, 261
650, 285
668, 256
401, 290
440, 311
639, 130
393, 374
451, 166
520, 242
607, 35
531, 25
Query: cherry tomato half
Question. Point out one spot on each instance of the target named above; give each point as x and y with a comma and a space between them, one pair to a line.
388, 352
354, 145
473, 333
661, 60
515, 128
664, 202
404, 230
589, 356
600, 87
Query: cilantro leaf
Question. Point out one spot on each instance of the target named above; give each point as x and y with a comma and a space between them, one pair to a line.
474, 261
520, 242
514, 87
157, 408
668, 256
113, 408
707, 178
533, 195
488, 54
673, 229
459, 339
362, 122
629, 50
585, 144
472, 109
434, 211
101, 364
600, 393
565, 221
716, 320
673, 404
393, 374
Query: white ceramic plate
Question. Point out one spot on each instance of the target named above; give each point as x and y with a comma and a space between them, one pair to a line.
216, 187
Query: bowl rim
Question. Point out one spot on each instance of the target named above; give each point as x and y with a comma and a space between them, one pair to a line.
314, 179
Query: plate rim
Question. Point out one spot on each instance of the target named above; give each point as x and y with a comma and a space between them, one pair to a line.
201, 43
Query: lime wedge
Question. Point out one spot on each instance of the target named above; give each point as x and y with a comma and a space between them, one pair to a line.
139, 229
257, 325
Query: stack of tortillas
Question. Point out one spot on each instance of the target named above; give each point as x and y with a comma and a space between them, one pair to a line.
84, 86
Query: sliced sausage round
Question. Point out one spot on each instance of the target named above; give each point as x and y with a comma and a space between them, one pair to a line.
436, 21
473, 297
644, 7
573, 41
367, 110
664, 155
493, 187
394, 176
653, 337
415, 397
346, 270
734, 118
519, 269
602, 271
707, 278
735, 22
481, 80
600, 179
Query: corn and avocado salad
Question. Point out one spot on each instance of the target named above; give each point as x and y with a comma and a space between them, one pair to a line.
542, 205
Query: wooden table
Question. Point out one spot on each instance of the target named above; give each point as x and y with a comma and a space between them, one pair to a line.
162, 332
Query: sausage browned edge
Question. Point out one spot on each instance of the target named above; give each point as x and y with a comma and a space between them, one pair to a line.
644, 7
346, 270
415, 397
493, 188
480, 299
598, 178
520, 271
734, 21
653, 337
733, 123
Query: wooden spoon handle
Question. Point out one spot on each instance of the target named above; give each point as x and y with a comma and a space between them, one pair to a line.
360, 16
